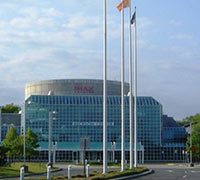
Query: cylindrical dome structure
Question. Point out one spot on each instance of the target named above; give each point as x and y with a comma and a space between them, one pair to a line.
67, 87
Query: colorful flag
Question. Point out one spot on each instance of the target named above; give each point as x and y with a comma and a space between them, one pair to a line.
133, 18
124, 3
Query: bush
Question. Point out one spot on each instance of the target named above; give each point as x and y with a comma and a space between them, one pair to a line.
2, 156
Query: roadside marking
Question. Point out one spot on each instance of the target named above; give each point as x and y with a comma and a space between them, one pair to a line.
170, 171
185, 176
185, 172
192, 171
170, 164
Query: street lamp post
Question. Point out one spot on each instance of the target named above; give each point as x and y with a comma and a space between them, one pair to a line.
183, 152
191, 164
54, 151
113, 145
50, 136
0, 124
24, 133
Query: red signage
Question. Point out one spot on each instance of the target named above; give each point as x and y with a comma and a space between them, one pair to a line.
83, 89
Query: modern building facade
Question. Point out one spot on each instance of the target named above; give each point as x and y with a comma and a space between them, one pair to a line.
79, 115
9, 120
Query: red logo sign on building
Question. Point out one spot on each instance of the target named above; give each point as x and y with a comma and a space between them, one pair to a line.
83, 89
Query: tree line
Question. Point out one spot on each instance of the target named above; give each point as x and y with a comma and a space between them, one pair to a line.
195, 135
10, 108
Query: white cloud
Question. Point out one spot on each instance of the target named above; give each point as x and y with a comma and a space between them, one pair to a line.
182, 52
20, 22
182, 37
176, 22
32, 12
46, 22
62, 39
52, 12
80, 20
144, 23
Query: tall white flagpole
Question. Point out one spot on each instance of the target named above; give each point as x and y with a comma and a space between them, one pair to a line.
105, 90
122, 95
130, 91
135, 95
0, 124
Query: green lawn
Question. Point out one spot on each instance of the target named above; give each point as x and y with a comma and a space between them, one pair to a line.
14, 168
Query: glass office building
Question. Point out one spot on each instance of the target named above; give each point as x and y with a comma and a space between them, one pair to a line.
10, 120
79, 117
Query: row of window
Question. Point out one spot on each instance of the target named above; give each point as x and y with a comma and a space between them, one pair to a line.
111, 100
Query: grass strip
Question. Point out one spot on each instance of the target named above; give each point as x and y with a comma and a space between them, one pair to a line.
14, 168
99, 176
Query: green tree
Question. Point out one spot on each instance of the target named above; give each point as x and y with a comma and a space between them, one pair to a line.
195, 140
10, 108
195, 135
195, 118
31, 143
13, 143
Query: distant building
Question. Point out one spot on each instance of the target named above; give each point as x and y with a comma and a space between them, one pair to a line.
174, 138
8, 120
78, 104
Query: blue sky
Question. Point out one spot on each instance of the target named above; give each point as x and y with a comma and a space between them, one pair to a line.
58, 39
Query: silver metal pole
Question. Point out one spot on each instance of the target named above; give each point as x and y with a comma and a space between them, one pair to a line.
0, 124
135, 96
190, 142
50, 141
105, 91
131, 91
24, 133
54, 152
122, 95
113, 145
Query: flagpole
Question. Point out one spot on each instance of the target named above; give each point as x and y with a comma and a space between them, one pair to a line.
135, 95
130, 91
122, 94
105, 90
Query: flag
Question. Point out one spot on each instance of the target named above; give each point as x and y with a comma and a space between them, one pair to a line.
133, 18
124, 3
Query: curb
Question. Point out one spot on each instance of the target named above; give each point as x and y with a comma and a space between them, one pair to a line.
28, 175
150, 171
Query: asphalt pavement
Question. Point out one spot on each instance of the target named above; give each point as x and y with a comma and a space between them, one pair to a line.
172, 172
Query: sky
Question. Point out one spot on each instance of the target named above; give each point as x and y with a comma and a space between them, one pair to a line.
63, 39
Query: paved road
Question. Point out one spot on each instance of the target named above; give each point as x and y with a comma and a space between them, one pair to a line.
172, 172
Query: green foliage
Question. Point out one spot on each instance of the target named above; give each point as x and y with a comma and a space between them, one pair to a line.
195, 135
10, 108
195, 118
31, 143
183, 123
2, 155
195, 140
13, 143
